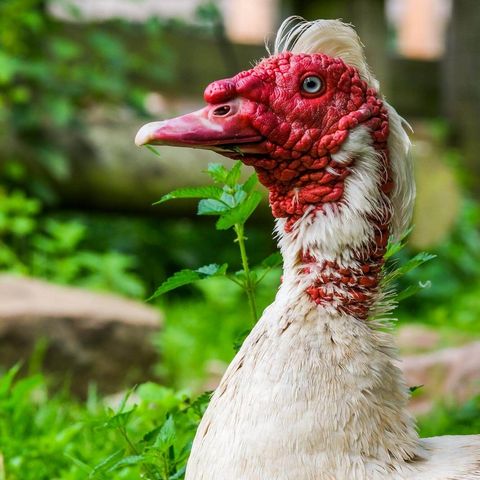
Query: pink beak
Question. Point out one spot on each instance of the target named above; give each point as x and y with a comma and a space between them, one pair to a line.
212, 126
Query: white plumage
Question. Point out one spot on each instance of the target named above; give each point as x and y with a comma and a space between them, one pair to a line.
314, 394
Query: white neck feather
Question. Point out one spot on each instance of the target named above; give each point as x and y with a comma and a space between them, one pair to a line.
358, 380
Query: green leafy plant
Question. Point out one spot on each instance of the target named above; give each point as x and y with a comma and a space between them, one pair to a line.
31, 244
395, 270
233, 202
45, 435
450, 304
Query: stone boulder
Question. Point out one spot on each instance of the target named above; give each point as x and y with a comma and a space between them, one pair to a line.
450, 374
90, 337
416, 338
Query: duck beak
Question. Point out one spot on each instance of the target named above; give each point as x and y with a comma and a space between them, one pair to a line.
213, 127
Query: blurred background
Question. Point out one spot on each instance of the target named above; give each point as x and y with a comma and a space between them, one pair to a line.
82, 246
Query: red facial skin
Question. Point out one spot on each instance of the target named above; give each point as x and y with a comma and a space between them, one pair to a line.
301, 130
288, 136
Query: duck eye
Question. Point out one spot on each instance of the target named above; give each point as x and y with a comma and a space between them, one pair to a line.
312, 84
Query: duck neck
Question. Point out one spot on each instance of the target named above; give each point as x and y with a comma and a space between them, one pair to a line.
333, 267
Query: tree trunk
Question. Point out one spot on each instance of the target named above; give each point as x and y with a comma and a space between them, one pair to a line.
461, 84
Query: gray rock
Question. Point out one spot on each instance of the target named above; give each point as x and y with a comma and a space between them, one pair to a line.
450, 374
413, 339
91, 337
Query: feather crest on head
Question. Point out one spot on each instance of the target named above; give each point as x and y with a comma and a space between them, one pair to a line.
338, 39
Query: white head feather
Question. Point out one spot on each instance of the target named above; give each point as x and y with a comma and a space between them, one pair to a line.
337, 39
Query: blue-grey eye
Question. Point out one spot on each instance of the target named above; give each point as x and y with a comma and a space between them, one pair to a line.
312, 84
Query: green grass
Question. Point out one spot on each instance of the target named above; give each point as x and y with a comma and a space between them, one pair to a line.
452, 419
46, 436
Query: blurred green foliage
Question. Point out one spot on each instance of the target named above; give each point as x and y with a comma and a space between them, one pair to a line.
50, 75
45, 436
32, 244
450, 419
209, 326
452, 299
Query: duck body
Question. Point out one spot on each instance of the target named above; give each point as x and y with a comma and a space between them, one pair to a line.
314, 393
290, 406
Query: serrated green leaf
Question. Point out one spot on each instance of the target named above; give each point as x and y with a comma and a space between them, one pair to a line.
126, 462
239, 196
410, 265
415, 262
415, 388
217, 172
185, 277
119, 420
107, 462
272, 261
239, 214
212, 269
200, 404
209, 191
240, 338
411, 290
240, 275
249, 185
394, 247
234, 174
153, 150
167, 434
211, 206
178, 475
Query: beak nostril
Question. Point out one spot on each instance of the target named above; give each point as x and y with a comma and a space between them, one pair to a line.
221, 111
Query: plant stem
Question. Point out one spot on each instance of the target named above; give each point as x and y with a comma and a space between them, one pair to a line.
249, 285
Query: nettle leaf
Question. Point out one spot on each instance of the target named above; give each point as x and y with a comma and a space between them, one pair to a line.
240, 275
412, 264
234, 174
107, 463
240, 213
393, 247
167, 434
211, 206
249, 185
240, 338
272, 261
240, 195
185, 277
119, 420
217, 172
212, 269
415, 262
210, 191
200, 404
412, 290
153, 150
415, 388
178, 475
129, 461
